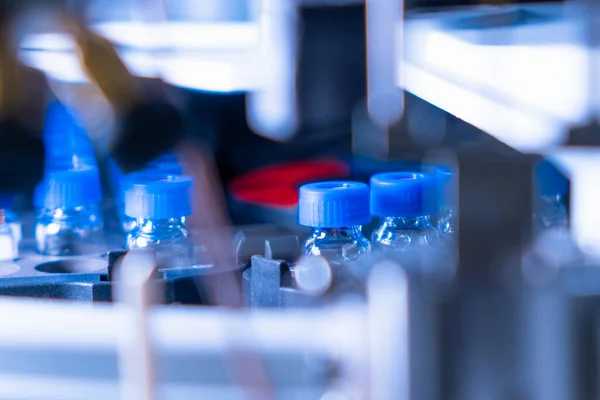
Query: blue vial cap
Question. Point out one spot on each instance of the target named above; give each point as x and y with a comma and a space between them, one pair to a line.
404, 194
156, 196
162, 165
69, 188
334, 204
550, 181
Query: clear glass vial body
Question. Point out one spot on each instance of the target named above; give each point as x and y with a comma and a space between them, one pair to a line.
346, 249
169, 237
69, 231
9, 245
408, 236
128, 224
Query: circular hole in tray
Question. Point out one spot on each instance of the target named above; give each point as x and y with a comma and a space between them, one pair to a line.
71, 266
8, 268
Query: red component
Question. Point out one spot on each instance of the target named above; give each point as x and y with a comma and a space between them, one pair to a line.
277, 185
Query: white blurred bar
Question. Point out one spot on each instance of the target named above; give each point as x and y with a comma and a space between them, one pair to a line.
272, 110
581, 166
389, 332
135, 295
385, 21
502, 79
59, 324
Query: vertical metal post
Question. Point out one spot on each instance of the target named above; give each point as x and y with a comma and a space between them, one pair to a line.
134, 294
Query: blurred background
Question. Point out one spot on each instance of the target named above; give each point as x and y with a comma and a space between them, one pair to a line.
252, 90
299, 199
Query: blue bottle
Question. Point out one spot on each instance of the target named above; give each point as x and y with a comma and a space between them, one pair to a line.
165, 165
336, 212
66, 141
405, 202
160, 204
69, 220
445, 218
